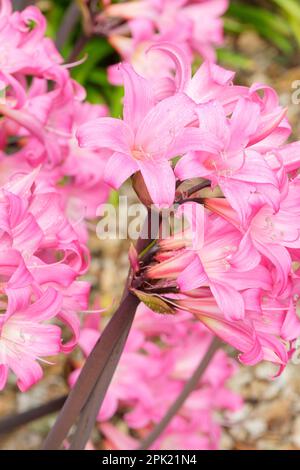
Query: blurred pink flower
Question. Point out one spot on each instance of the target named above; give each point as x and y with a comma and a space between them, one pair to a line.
25, 339
172, 20
159, 370
41, 260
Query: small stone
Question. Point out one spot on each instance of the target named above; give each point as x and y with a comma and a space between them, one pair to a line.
226, 443
255, 428
272, 391
250, 42
296, 432
238, 432
264, 371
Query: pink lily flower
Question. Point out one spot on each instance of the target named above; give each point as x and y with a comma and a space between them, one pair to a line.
273, 234
25, 339
145, 140
261, 335
169, 17
236, 166
160, 370
34, 234
227, 265
169, 68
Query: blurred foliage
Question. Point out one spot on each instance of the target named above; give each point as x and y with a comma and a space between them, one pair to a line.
276, 21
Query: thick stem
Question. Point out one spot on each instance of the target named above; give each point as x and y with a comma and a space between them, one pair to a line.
188, 388
198, 200
21, 4
69, 21
101, 362
9, 423
91, 409
79, 46
186, 195
89, 391
198, 187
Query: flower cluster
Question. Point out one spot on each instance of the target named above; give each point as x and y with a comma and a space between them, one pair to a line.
237, 267
195, 25
48, 187
160, 355
40, 260
42, 106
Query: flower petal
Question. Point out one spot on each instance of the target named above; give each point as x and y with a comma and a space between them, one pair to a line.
118, 168
229, 300
138, 99
192, 276
163, 123
108, 133
160, 181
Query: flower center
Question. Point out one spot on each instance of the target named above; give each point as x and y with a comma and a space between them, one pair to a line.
140, 154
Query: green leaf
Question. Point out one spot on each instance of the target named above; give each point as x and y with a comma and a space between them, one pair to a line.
292, 10
234, 59
292, 7
259, 17
114, 198
274, 27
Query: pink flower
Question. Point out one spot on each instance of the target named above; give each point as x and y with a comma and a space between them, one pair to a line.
25, 339
241, 283
236, 166
261, 335
176, 21
159, 357
48, 138
216, 256
276, 235
41, 260
145, 140
210, 81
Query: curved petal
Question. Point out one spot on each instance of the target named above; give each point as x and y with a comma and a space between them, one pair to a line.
118, 168
163, 123
290, 328
27, 370
190, 166
72, 321
138, 98
160, 181
193, 138
243, 123
267, 125
45, 308
247, 257
3, 375
229, 300
181, 62
254, 355
112, 134
192, 276
212, 119
281, 259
